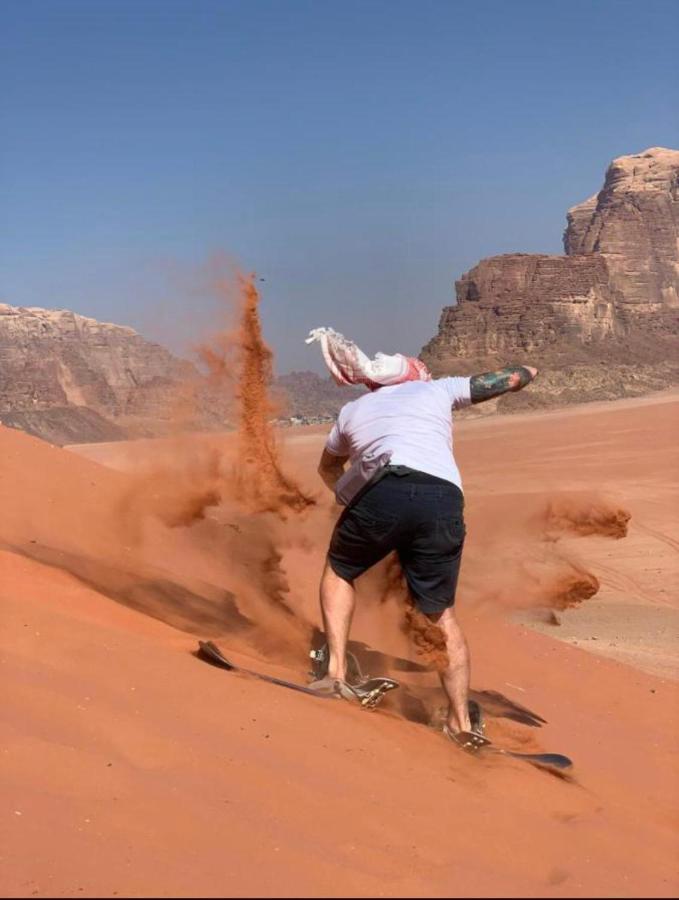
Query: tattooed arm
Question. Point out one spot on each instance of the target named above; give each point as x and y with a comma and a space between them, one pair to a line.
492, 384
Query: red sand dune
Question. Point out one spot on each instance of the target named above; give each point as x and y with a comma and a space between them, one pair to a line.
130, 768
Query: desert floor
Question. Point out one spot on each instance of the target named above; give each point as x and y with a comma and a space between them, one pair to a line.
131, 768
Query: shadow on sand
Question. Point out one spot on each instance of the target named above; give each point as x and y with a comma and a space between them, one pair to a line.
419, 703
201, 609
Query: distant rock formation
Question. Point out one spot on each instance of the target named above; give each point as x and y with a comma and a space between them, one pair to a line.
610, 307
64, 425
306, 395
633, 223
69, 378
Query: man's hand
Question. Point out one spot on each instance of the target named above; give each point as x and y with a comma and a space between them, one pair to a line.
493, 384
331, 468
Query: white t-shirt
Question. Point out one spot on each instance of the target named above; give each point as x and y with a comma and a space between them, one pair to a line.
414, 420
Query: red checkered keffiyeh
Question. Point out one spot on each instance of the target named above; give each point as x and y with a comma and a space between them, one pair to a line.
349, 365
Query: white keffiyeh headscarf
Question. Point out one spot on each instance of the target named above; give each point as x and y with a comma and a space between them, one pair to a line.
349, 365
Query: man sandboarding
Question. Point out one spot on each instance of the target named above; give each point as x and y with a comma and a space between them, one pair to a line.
403, 493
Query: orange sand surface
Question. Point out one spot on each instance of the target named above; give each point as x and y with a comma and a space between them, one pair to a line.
131, 768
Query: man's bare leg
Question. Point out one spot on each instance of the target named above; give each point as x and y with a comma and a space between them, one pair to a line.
337, 605
455, 679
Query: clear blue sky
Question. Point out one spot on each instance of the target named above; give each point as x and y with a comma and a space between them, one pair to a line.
359, 155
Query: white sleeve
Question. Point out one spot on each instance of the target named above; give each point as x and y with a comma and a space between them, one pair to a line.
458, 390
336, 443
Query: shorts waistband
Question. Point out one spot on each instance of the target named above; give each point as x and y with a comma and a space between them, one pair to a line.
414, 483
413, 476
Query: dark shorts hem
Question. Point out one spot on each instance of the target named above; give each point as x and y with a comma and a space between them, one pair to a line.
345, 572
431, 607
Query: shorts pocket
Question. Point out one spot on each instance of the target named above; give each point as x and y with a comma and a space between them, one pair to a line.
450, 531
368, 524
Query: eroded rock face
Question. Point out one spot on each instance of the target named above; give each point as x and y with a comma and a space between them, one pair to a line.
64, 425
634, 224
612, 300
579, 218
70, 379
51, 357
55, 365
308, 395
516, 304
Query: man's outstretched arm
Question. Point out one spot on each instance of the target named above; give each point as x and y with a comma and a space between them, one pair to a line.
493, 384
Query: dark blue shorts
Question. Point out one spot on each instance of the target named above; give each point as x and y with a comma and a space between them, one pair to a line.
418, 516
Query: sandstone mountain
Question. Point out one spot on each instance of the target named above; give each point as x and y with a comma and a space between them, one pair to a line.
68, 378
601, 321
71, 379
306, 395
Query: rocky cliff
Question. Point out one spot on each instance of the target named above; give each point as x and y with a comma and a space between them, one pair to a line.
307, 395
633, 223
69, 378
609, 308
